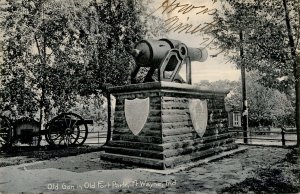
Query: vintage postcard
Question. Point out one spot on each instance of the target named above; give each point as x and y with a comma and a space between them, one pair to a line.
149, 96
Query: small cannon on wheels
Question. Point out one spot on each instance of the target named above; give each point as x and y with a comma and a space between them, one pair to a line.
65, 129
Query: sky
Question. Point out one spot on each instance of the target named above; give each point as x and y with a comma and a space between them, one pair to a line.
214, 68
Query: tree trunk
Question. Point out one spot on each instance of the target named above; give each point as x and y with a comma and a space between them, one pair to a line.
108, 118
42, 108
296, 68
245, 108
42, 102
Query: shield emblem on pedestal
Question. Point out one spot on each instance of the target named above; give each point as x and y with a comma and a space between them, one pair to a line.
199, 115
136, 114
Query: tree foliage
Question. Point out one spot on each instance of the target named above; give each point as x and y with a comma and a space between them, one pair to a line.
267, 106
56, 50
265, 40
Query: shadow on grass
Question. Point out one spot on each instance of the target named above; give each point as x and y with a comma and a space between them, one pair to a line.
282, 177
21, 155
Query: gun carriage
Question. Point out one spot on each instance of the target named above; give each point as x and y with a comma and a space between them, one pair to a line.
65, 129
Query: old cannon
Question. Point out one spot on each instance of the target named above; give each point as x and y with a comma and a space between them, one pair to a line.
154, 122
165, 57
65, 129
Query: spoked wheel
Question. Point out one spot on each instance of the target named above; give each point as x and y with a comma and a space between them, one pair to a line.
6, 131
67, 129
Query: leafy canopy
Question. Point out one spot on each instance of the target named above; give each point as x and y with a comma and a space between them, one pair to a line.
56, 50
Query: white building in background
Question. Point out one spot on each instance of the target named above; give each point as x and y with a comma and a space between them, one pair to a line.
234, 119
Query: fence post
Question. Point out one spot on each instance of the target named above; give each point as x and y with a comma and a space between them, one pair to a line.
282, 134
250, 136
108, 118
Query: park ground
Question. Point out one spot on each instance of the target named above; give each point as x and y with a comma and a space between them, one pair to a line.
259, 169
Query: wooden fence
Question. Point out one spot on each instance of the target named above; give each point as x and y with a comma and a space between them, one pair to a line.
284, 137
96, 138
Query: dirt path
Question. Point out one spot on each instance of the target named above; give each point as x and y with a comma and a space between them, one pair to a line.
87, 174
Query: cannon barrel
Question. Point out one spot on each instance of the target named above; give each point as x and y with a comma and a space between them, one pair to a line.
150, 53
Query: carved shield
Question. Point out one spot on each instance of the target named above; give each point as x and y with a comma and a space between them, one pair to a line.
136, 114
199, 115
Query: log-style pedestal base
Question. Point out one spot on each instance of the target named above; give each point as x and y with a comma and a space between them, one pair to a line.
179, 123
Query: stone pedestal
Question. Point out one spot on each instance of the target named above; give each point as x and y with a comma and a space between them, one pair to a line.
179, 123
